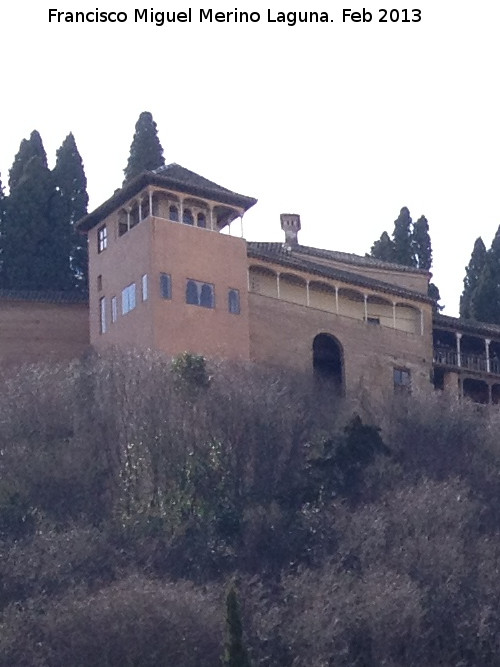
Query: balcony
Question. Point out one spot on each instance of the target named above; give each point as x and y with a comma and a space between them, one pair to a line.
477, 363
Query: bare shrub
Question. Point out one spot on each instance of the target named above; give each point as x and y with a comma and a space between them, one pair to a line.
136, 621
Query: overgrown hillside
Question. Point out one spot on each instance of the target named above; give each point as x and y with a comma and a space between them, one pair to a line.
134, 490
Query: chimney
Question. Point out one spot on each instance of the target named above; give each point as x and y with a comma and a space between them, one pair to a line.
290, 224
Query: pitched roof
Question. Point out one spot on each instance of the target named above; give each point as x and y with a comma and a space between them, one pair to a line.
466, 326
344, 257
173, 177
292, 258
43, 296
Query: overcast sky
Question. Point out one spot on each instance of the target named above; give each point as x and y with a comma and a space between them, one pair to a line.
343, 123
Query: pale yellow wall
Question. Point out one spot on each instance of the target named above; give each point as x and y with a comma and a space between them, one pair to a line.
322, 298
292, 289
263, 282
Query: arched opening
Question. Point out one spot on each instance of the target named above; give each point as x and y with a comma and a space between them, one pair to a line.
327, 361
263, 281
407, 318
379, 311
322, 296
145, 208
351, 303
293, 288
476, 390
173, 213
187, 217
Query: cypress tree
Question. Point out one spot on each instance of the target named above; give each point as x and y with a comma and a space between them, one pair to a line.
383, 248
485, 300
402, 237
27, 243
472, 274
28, 148
421, 244
70, 204
146, 152
235, 654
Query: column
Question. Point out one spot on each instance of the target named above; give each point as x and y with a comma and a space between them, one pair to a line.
211, 211
139, 202
336, 299
421, 322
150, 202
459, 358
241, 225
278, 284
181, 209
487, 342
365, 298
393, 314
128, 218
307, 292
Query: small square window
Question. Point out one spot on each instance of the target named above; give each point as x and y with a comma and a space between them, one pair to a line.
165, 286
233, 301
402, 379
102, 238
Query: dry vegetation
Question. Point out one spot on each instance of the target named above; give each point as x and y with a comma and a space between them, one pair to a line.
133, 489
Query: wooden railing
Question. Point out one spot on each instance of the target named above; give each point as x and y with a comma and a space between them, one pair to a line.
471, 362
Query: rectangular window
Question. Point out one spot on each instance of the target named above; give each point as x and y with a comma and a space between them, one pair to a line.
99, 283
102, 238
373, 320
165, 286
200, 294
233, 301
144, 282
114, 309
128, 298
402, 379
102, 315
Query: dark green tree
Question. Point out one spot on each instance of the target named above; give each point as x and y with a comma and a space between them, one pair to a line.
410, 246
69, 205
28, 148
433, 292
472, 275
383, 248
27, 240
146, 152
485, 300
235, 653
421, 244
403, 239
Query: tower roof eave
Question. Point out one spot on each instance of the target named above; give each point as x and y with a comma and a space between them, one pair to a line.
173, 177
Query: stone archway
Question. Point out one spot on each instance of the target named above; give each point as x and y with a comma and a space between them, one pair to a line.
328, 363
